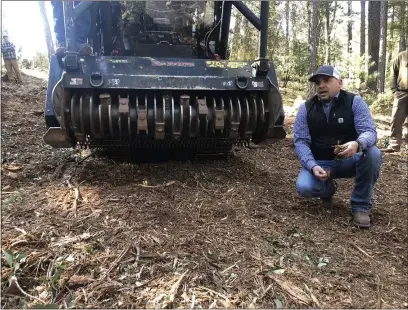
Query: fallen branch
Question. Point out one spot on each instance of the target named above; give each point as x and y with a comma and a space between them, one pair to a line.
192, 302
252, 305
115, 263
173, 291
86, 157
69, 183
18, 242
312, 296
49, 274
67, 240
230, 267
15, 282
75, 203
140, 284
80, 280
21, 230
85, 298
265, 291
159, 185
214, 292
379, 292
362, 251
388, 231
137, 254
292, 290
12, 167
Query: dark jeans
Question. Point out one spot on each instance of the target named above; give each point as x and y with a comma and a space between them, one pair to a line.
364, 167
82, 24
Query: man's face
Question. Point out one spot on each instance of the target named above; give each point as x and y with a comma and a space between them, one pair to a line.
5, 39
327, 87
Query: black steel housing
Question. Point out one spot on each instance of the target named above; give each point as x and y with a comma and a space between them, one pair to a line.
179, 96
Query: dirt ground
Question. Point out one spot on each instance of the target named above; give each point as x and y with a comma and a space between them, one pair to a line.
94, 233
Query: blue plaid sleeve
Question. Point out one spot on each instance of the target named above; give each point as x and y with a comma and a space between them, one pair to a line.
302, 139
364, 123
8, 50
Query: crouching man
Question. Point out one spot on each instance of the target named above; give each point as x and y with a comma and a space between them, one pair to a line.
335, 137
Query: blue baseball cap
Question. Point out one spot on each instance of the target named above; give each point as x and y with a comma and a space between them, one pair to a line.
326, 71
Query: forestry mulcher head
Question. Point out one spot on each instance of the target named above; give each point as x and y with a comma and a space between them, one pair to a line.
167, 85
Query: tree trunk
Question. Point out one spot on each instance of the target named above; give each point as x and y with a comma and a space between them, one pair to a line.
362, 28
383, 46
391, 45
406, 30
374, 12
331, 26
287, 15
313, 47
309, 18
349, 27
246, 40
271, 30
402, 41
293, 20
296, 47
319, 28
328, 29
236, 35
47, 31
327, 32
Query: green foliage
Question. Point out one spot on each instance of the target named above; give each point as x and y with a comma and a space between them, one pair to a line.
244, 40
11, 199
380, 103
132, 10
40, 61
279, 302
26, 64
322, 262
14, 260
294, 65
58, 270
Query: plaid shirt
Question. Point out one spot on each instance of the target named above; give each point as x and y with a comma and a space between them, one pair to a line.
363, 122
9, 51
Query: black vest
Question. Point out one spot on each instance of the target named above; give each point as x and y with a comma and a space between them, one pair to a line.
338, 129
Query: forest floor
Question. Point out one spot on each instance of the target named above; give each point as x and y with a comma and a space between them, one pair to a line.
231, 233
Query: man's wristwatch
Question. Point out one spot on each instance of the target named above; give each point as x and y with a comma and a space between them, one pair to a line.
360, 147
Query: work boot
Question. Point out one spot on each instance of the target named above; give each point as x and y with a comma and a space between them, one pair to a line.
362, 219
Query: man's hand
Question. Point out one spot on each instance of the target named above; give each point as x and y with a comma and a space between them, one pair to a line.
320, 173
346, 150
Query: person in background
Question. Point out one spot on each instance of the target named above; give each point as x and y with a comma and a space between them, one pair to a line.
82, 29
399, 87
10, 60
335, 137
